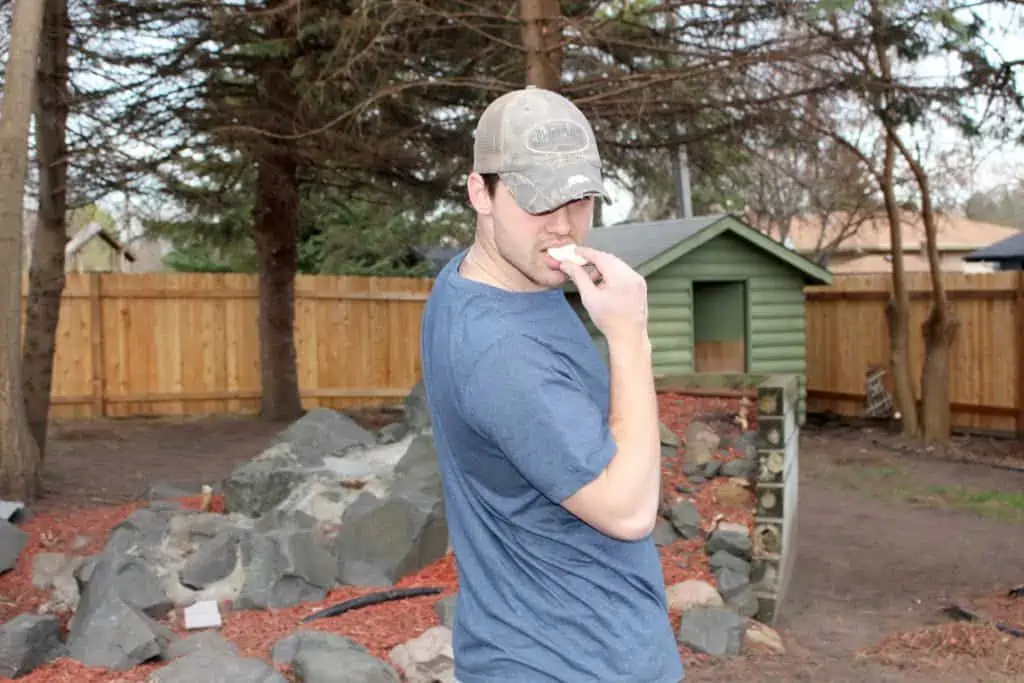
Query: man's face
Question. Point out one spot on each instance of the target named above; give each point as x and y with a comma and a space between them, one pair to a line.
522, 239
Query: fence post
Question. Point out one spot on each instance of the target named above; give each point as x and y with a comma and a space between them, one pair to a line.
1019, 322
775, 490
96, 342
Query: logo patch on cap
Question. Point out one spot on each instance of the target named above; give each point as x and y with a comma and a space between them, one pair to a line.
557, 137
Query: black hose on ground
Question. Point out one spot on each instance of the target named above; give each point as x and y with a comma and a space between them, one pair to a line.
371, 599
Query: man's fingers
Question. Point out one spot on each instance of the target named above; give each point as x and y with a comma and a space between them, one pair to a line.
579, 275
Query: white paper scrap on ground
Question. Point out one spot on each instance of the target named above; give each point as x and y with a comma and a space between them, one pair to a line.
203, 614
10, 508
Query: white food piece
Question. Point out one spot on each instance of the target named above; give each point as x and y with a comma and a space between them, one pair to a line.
203, 614
567, 253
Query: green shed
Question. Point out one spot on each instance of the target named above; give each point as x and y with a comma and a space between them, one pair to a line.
723, 297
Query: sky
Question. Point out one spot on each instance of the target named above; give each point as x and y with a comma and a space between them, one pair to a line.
996, 162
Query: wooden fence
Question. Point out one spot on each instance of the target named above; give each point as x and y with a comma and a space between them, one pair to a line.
182, 344
847, 333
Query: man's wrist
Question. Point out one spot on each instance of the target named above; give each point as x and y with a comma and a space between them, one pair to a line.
631, 341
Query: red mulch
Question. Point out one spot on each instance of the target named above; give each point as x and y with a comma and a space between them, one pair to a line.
380, 627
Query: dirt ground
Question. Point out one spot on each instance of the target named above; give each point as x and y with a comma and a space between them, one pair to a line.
887, 536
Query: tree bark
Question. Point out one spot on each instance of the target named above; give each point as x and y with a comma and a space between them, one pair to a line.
941, 328
46, 269
19, 455
276, 229
542, 39
898, 309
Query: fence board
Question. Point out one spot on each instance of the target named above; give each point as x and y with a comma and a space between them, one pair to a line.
188, 343
847, 333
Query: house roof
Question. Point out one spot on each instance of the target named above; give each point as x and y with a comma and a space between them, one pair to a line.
1009, 249
83, 236
647, 247
871, 233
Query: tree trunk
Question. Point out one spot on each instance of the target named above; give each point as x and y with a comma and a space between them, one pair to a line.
898, 309
46, 270
542, 38
276, 227
941, 327
19, 456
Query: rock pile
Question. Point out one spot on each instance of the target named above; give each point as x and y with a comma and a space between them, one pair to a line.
716, 619
326, 504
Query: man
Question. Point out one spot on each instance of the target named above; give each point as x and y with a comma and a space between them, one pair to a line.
550, 463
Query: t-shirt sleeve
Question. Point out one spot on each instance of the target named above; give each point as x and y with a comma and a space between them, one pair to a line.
522, 397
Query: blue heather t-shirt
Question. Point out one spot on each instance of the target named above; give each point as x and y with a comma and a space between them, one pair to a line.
519, 400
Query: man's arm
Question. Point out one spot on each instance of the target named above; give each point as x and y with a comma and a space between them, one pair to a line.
523, 399
623, 500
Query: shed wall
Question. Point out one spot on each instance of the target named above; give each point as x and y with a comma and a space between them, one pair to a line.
776, 324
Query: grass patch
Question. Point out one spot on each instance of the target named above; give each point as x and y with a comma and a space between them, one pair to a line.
897, 484
1006, 506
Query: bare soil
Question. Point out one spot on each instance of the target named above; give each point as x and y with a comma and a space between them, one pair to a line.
887, 535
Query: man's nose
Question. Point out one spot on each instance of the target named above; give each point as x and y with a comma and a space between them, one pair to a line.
560, 224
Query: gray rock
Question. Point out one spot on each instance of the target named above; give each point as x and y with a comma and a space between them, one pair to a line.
56, 572
12, 542
740, 467
321, 657
692, 469
284, 567
130, 578
216, 667
712, 468
668, 437
744, 603
731, 582
726, 560
322, 432
417, 411
141, 532
664, 533
297, 454
208, 642
701, 443
746, 443
685, 517
27, 642
384, 539
715, 631
214, 560
107, 632
163, 490
732, 542
392, 433
445, 609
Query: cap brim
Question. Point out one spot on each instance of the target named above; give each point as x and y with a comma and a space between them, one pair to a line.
545, 189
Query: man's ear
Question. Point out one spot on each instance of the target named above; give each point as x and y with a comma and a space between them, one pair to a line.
479, 198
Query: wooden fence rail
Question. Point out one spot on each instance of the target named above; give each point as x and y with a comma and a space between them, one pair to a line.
847, 333
182, 344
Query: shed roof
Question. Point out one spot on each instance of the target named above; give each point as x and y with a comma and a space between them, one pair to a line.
647, 247
93, 230
1009, 249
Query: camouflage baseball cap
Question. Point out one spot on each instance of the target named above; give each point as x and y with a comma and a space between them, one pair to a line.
541, 146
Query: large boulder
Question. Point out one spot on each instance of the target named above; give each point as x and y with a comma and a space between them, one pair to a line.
316, 444
383, 539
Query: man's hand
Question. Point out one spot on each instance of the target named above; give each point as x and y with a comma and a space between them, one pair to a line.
618, 303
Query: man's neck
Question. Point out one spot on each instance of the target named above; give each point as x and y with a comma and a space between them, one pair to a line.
483, 265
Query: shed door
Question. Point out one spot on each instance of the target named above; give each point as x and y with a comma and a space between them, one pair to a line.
719, 327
